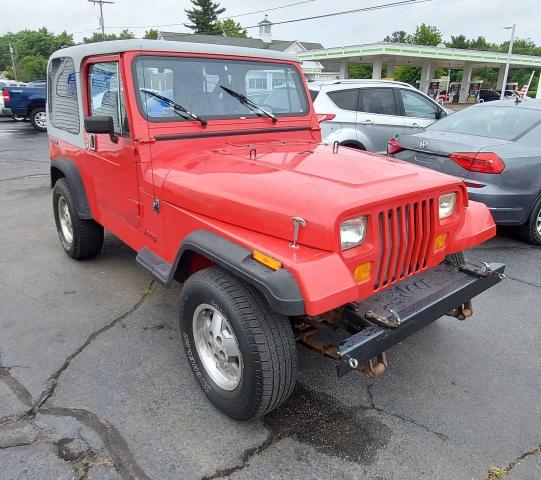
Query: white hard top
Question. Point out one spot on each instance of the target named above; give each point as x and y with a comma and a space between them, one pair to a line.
79, 52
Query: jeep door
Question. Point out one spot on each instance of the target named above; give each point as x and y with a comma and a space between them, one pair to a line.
378, 118
113, 160
419, 111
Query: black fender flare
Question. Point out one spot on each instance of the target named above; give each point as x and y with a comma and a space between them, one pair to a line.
279, 287
67, 169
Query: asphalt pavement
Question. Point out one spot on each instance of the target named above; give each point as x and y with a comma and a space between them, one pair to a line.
94, 384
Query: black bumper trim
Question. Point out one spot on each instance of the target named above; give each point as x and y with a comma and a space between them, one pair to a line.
458, 288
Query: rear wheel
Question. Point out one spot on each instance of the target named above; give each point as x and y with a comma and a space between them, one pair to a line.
80, 238
531, 230
38, 119
242, 354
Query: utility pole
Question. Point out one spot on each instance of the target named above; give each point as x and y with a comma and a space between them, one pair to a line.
12, 60
102, 23
504, 86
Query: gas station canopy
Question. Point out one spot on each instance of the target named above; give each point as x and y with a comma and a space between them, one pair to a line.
428, 57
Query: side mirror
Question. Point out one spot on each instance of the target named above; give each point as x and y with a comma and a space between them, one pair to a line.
101, 124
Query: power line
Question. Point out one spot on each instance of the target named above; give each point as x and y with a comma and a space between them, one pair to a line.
315, 17
269, 9
347, 12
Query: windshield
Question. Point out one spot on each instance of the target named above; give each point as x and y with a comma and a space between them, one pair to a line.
195, 84
504, 123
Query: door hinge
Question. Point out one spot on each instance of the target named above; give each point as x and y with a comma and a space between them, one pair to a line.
156, 205
144, 141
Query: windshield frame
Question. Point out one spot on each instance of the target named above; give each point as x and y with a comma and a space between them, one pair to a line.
303, 97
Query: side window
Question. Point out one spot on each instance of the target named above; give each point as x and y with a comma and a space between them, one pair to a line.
345, 99
314, 94
62, 95
107, 95
416, 105
378, 100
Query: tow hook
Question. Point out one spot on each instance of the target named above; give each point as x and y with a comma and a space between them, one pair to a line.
389, 322
463, 311
375, 366
482, 271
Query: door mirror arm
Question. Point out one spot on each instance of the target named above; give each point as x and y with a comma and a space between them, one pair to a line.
101, 124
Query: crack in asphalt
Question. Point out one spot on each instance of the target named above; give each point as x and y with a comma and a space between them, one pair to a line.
525, 282
24, 176
121, 456
516, 460
305, 422
53, 379
373, 406
15, 386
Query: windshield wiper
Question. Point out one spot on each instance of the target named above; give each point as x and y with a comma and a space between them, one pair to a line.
175, 106
246, 101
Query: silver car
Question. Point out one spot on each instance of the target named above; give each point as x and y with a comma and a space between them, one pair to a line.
495, 149
365, 114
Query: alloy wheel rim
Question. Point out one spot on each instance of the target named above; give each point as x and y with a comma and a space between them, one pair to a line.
64, 216
538, 222
217, 347
41, 119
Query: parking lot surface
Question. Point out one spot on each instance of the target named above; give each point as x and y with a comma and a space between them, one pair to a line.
93, 382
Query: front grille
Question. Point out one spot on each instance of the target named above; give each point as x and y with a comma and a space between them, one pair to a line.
405, 235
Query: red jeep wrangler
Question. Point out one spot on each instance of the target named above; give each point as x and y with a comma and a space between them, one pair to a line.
207, 161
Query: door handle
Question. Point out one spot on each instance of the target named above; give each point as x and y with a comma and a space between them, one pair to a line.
92, 145
367, 122
414, 125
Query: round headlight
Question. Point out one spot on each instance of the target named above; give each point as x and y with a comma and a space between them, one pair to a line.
353, 232
447, 205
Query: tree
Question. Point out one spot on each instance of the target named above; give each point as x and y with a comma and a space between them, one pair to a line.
32, 67
460, 41
230, 28
204, 17
359, 70
426, 35
98, 37
151, 34
31, 49
399, 36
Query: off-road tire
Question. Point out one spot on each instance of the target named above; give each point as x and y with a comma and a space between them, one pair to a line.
456, 259
33, 114
265, 340
87, 234
528, 232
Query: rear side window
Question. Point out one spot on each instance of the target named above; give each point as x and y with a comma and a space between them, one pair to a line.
345, 99
62, 95
378, 100
314, 94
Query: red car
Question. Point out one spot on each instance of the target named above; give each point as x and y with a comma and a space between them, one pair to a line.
273, 234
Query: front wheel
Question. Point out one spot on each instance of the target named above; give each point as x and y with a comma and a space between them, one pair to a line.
242, 354
38, 119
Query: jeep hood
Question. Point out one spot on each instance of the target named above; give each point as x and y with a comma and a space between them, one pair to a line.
260, 187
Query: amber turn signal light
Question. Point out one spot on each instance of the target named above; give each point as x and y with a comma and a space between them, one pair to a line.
439, 243
362, 272
266, 260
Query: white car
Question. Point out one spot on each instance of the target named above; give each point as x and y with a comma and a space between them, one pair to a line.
365, 114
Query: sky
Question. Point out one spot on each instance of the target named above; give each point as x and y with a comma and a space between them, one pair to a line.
453, 17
